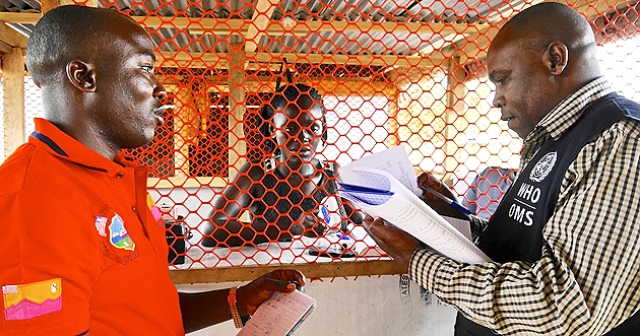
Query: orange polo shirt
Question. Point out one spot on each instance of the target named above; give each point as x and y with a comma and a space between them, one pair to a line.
80, 251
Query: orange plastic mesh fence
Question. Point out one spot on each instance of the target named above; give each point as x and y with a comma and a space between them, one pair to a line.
390, 73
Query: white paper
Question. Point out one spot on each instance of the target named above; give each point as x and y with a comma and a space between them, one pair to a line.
280, 315
403, 208
461, 225
393, 160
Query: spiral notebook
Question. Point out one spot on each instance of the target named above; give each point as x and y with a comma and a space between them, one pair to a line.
280, 315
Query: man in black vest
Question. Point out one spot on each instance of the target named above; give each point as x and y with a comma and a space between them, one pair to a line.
565, 239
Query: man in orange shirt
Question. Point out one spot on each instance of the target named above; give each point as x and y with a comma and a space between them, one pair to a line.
81, 251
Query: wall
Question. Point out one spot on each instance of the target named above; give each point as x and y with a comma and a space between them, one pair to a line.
372, 306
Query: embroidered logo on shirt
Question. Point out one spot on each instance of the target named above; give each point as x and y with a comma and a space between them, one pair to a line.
101, 225
26, 301
118, 235
544, 166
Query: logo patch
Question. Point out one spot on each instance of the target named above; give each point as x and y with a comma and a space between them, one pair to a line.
542, 169
101, 225
23, 302
118, 235
155, 211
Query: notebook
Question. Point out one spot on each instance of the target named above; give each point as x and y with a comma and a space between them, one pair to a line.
280, 315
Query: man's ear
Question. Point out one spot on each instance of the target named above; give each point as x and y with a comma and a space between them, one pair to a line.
81, 75
556, 58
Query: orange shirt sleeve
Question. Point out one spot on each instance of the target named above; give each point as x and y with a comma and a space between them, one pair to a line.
50, 258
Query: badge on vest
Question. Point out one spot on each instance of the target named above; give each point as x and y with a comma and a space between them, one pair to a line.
544, 166
118, 235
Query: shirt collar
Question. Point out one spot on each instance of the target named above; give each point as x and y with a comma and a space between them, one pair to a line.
64, 146
565, 114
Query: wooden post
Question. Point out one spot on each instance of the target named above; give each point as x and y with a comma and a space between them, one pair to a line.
13, 82
456, 91
193, 105
237, 109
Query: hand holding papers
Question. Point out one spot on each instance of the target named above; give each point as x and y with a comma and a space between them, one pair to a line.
280, 315
377, 191
451, 202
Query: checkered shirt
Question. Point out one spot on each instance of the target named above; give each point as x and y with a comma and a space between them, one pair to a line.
588, 278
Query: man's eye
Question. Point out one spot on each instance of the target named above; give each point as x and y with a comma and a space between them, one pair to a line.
147, 68
501, 80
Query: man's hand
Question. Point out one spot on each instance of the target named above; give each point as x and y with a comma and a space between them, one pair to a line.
440, 206
253, 294
399, 244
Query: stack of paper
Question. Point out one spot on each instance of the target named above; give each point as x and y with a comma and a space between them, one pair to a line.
378, 191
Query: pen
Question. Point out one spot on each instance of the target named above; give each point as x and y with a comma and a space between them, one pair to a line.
362, 189
451, 202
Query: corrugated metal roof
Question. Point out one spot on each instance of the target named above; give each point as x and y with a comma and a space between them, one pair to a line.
350, 43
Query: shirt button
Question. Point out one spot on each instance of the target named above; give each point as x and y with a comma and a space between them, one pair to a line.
119, 175
133, 208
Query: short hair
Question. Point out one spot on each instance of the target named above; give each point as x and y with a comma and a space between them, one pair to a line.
64, 34
549, 21
284, 95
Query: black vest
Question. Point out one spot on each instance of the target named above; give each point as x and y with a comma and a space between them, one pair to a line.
514, 233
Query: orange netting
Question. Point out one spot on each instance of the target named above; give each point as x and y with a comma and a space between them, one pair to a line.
390, 73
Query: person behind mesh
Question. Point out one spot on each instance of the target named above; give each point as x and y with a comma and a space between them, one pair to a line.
284, 189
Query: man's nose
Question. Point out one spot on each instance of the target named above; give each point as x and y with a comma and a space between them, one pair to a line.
160, 92
498, 100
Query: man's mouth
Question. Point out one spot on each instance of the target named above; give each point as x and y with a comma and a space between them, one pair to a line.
158, 111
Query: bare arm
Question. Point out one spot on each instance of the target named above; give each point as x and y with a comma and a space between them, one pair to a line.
229, 205
203, 309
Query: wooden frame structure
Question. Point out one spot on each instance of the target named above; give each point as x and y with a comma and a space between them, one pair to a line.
451, 54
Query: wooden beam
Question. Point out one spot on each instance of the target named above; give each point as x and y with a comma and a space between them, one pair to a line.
11, 37
262, 14
237, 109
13, 82
48, 5
220, 60
303, 28
275, 28
318, 270
446, 40
20, 17
5, 48
456, 91
183, 126
186, 182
